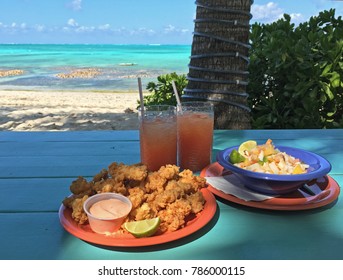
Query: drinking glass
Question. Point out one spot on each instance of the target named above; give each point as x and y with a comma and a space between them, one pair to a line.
157, 133
195, 134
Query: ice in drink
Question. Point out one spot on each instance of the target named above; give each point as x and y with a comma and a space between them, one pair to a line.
158, 136
195, 135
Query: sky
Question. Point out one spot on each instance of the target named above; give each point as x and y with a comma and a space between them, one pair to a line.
127, 21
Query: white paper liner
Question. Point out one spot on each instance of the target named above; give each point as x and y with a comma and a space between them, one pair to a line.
230, 184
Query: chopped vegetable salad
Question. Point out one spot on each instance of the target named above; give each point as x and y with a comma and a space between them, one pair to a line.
266, 158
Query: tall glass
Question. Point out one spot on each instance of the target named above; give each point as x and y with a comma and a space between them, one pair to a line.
195, 134
157, 132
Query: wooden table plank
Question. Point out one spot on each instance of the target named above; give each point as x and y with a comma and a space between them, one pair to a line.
21, 149
45, 167
33, 195
133, 135
24, 149
69, 136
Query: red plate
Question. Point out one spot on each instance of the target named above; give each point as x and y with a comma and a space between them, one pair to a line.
293, 201
85, 233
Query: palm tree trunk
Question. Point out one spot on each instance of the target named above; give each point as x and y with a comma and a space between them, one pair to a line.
219, 60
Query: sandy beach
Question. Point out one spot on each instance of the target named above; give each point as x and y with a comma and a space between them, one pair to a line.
63, 111
59, 87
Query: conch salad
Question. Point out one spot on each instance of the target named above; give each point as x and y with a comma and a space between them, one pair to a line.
266, 159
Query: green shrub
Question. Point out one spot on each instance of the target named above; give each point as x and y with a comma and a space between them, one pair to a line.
296, 73
162, 91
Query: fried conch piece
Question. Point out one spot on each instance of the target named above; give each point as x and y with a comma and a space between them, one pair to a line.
143, 212
137, 196
196, 182
102, 175
78, 213
174, 216
156, 181
169, 172
110, 185
121, 172
81, 185
197, 202
79, 188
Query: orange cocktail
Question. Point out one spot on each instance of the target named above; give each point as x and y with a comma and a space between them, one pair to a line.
195, 135
157, 127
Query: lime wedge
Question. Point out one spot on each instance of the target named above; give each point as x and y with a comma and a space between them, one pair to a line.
143, 228
236, 157
247, 146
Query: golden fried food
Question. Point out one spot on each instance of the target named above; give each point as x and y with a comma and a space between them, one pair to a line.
103, 175
78, 213
80, 186
169, 194
195, 182
135, 172
175, 214
197, 201
110, 185
137, 196
143, 212
169, 172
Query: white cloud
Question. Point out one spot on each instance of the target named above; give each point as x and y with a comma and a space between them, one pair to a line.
85, 29
266, 13
3, 26
169, 28
172, 29
104, 27
14, 27
72, 22
39, 27
74, 26
143, 31
76, 5
271, 12
297, 17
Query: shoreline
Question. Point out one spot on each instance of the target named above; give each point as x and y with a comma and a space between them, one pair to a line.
121, 91
67, 110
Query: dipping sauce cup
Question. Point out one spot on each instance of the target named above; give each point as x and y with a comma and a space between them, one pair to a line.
195, 122
107, 211
157, 132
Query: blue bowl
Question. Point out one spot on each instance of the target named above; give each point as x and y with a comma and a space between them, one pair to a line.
273, 183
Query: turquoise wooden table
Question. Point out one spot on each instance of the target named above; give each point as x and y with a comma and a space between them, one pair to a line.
36, 169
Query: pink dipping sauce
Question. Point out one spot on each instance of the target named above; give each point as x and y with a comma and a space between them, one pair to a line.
109, 209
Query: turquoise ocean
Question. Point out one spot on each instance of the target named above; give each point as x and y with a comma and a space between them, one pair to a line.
119, 65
